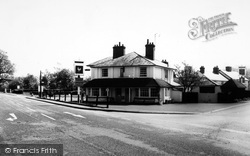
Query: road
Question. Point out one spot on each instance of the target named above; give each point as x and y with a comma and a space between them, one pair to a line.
86, 132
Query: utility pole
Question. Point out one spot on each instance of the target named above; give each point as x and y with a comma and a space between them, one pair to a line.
40, 94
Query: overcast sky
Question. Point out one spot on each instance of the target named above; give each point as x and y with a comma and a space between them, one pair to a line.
43, 34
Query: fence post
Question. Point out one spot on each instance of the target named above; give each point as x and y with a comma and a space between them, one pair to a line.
71, 97
65, 97
96, 100
107, 102
82, 98
59, 95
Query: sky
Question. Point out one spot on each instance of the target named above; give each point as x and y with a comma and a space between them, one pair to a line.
48, 34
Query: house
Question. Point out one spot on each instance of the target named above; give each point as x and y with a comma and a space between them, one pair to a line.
210, 86
220, 85
129, 78
239, 75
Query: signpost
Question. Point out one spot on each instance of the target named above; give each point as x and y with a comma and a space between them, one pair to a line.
78, 66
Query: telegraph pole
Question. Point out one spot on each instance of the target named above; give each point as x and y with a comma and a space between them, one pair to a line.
40, 86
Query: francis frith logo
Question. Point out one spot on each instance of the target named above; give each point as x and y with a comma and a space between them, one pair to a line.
212, 27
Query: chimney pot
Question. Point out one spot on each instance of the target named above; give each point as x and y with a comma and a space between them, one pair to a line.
228, 68
202, 69
216, 70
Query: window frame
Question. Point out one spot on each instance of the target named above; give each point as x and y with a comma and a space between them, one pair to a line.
105, 72
143, 71
94, 91
144, 92
154, 92
207, 89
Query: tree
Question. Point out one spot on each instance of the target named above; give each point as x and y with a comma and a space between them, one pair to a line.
187, 77
65, 79
16, 82
30, 82
6, 67
61, 79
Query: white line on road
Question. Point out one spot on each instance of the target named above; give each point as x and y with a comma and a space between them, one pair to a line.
226, 108
31, 109
216, 128
79, 116
48, 116
13, 117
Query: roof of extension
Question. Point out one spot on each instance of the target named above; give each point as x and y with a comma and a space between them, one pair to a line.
130, 59
233, 84
213, 79
128, 82
231, 75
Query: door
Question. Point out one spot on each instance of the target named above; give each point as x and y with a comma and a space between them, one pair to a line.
118, 95
127, 96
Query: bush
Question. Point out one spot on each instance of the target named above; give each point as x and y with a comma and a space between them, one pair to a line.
17, 91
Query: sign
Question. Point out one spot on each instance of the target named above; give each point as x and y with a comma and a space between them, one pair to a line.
78, 81
79, 70
41, 88
79, 67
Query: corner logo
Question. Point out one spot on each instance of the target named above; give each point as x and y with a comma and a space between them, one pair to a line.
211, 28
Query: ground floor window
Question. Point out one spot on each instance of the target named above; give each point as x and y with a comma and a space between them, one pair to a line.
103, 91
95, 91
154, 92
88, 91
207, 89
144, 92
137, 92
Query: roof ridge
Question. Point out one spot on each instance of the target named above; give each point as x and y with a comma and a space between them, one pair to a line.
224, 74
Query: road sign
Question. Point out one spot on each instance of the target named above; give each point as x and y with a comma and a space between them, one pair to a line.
79, 67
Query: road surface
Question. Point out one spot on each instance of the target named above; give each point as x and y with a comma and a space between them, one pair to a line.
86, 132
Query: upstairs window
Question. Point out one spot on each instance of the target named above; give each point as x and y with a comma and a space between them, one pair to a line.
143, 72
105, 72
122, 70
166, 73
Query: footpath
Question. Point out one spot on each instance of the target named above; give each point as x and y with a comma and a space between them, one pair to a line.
176, 108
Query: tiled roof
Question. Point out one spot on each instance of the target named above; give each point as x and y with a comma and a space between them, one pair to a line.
130, 59
213, 79
231, 75
233, 84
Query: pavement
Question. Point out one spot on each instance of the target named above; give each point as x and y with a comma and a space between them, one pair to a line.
176, 108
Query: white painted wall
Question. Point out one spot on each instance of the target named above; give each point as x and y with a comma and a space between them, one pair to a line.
152, 72
176, 96
207, 97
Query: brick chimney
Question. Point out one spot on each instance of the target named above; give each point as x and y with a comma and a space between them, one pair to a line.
242, 70
150, 50
228, 68
202, 69
118, 50
216, 70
